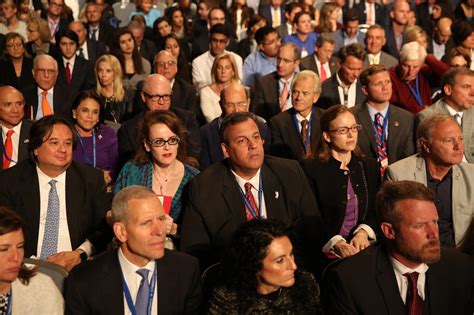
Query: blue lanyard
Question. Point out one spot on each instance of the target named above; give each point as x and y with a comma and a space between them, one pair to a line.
86, 158
384, 127
128, 296
253, 211
4, 152
308, 131
416, 93
9, 305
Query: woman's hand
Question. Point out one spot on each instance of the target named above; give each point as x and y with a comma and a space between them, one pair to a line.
107, 177
344, 249
171, 227
360, 240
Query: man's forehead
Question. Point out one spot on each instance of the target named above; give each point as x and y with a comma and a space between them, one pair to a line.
235, 95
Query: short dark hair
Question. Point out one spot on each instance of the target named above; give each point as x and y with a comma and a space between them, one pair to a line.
42, 129
354, 50
262, 33
461, 30
89, 94
291, 6
393, 192
234, 119
450, 77
370, 71
351, 15
299, 15
68, 34
325, 38
219, 29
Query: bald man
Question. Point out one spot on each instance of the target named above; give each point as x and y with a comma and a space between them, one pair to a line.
156, 94
441, 41
14, 129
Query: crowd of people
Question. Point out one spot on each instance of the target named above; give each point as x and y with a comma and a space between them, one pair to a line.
239, 156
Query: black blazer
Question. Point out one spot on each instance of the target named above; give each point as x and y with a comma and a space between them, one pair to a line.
22, 143
380, 17
216, 207
95, 50
265, 100
148, 50
401, 134
105, 32
284, 131
308, 63
185, 96
8, 74
330, 94
86, 202
266, 12
178, 283
329, 185
390, 46
365, 284
62, 101
83, 77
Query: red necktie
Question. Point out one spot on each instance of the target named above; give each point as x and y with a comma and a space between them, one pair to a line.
380, 138
322, 74
413, 301
68, 74
251, 200
8, 150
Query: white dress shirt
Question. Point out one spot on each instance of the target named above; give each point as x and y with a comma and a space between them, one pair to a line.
15, 142
71, 63
326, 67
351, 99
255, 181
402, 281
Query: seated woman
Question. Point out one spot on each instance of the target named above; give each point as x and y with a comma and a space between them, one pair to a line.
38, 37
303, 37
261, 277
22, 291
181, 52
161, 164
327, 18
457, 58
11, 23
118, 102
347, 200
15, 65
134, 67
98, 145
223, 72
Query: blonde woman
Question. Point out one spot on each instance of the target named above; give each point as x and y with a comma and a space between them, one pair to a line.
415, 34
117, 101
12, 23
328, 16
38, 37
224, 71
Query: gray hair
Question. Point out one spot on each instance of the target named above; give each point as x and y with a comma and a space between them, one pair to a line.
425, 129
412, 51
45, 56
120, 201
308, 74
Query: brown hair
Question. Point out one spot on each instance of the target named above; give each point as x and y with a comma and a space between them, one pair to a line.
370, 71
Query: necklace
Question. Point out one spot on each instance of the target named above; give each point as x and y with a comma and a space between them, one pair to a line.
165, 180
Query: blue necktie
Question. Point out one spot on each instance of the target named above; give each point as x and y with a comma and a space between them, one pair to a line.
141, 303
51, 228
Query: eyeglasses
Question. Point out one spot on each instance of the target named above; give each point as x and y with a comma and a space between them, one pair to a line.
240, 105
158, 97
345, 130
284, 60
18, 45
160, 142
162, 64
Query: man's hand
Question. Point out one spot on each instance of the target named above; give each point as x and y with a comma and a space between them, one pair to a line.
68, 260
344, 250
360, 240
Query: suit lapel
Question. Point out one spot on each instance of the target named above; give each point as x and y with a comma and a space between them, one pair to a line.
315, 128
393, 133
292, 135
31, 200
233, 197
365, 120
73, 191
273, 193
23, 142
420, 171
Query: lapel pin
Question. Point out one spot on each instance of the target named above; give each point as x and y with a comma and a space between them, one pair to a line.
396, 124
276, 194
26, 141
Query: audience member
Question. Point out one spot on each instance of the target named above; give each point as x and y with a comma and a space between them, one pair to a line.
62, 202
415, 33
441, 40
328, 17
97, 29
438, 166
385, 277
375, 40
350, 33
240, 14
463, 37
38, 37
154, 279
23, 290
303, 37
254, 284
395, 28
15, 63
146, 47
176, 47
145, 8
57, 18
298, 128
285, 29
322, 61
248, 45
371, 12
180, 26
457, 58
274, 12
14, 128
88, 49
344, 87
10, 22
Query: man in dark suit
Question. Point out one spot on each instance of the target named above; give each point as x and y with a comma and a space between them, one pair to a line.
14, 131
370, 12
285, 29
375, 40
397, 138
344, 88
322, 58
272, 92
407, 272
156, 94
56, 18
96, 28
89, 49
47, 96
234, 99
274, 12
298, 128
145, 46
140, 226
395, 28
350, 33
62, 202
441, 42
246, 185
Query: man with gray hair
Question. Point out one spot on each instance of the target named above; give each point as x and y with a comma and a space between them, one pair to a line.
410, 79
141, 277
322, 60
458, 100
438, 165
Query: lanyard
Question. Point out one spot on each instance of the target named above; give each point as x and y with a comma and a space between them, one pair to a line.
382, 137
253, 211
128, 297
9, 304
308, 130
86, 158
416, 93
4, 152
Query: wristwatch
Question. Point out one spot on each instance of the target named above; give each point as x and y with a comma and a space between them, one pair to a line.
82, 254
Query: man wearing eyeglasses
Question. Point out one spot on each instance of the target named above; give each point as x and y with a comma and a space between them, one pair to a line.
388, 132
246, 185
54, 16
156, 94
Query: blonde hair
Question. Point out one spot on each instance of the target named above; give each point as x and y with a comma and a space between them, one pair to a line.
413, 33
119, 92
229, 57
43, 29
324, 17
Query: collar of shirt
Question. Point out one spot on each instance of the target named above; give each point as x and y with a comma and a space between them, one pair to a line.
50, 92
340, 84
375, 57
172, 83
281, 81
85, 52
402, 281
71, 62
289, 27
300, 118
44, 179
373, 111
453, 112
255, 181
16, 129
430, 178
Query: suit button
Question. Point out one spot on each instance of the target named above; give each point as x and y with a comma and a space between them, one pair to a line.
346, 172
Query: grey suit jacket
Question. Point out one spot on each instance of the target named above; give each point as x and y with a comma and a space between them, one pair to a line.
309, 63
386, 60
414, 168
339, 38
467, 125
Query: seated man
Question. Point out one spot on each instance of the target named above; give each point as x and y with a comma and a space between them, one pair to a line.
141, 277
375, 40
350, 33
322, 60
407, 272
234, 99
438, 166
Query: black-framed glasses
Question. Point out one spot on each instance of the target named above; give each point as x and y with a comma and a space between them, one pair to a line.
158, 97
345, 130
160, 142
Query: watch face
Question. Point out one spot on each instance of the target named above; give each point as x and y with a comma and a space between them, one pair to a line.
83, 256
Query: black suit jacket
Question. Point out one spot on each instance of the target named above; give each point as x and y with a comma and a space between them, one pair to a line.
95, 287
266, 12
380, 17
83, 77
365, 284
105, 32
265, 100
8, 74
148, 50
62, 101
284, 131
401, 134
216, 207
22, 143
185, 96
95, 50
308, 63
330, 94
390, 46
86, 202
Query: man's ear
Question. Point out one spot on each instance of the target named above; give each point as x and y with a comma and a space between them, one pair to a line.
225, 150
120, 231
388, 230
364, 90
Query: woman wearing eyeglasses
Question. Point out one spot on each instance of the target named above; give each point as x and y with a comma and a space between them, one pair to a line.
161, 164
15, 64
344, 184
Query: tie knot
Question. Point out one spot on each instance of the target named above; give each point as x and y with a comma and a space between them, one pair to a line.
53, 183
379, 119
412, 277
143, 273
304, 123
44, 93
248, 187
10, 133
